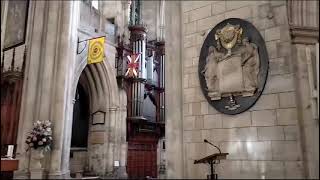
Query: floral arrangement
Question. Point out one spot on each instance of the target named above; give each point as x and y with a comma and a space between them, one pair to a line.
40, 136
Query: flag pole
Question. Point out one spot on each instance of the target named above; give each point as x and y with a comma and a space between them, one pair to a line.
85, 40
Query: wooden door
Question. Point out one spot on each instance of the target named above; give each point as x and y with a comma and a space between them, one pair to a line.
142, 159
10, 108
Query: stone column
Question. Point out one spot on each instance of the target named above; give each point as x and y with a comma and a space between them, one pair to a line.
121, 144
304, 41
111, 140
173, 104
48, 74
125, 21
61, 107
4, 12
30, 87
162, 20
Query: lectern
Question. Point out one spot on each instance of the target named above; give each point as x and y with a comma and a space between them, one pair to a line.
211, 160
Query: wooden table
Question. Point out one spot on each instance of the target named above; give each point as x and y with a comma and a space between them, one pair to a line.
7, 167
9, 164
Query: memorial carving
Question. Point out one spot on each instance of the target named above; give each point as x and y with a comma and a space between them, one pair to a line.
233, 66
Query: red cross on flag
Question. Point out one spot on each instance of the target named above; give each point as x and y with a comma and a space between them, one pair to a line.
133, 65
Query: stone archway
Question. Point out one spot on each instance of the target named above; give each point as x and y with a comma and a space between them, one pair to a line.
106, 130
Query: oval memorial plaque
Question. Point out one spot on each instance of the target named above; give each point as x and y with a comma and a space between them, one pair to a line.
233, 66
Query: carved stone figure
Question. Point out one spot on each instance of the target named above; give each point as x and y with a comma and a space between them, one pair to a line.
250, 67
233, 71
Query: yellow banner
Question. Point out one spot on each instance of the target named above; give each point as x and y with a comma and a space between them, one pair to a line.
96, 50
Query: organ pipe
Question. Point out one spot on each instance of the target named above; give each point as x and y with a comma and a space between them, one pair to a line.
137, 39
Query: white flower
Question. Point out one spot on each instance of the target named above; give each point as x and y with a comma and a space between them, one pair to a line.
44, 140
34, 138
48, 129
40, 143
47, 122
38, 122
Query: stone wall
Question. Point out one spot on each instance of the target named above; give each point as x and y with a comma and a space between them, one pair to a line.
149, 17
263, 142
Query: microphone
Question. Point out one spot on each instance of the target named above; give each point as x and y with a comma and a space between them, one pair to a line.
206, 141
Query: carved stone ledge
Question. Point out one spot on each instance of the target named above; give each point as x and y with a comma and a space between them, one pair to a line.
304, 35
114, 108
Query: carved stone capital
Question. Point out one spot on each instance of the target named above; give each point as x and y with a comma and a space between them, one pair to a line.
304, 35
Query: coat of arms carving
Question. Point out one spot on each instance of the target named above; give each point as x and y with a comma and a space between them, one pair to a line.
231, 66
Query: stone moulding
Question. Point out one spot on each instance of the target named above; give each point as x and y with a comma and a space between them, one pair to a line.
304, 35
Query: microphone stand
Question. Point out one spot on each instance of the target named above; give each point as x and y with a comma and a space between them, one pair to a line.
213, 175
206, 141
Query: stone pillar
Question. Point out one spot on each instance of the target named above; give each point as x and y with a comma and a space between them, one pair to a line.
30, 87
162, 20
48, 74
125, 20
121, 144
304, 41
173, 68
111, 139
62, 104
4, 12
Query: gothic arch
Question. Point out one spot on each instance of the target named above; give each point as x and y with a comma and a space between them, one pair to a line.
99, 80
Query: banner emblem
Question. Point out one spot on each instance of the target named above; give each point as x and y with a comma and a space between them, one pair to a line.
133, 65
96, 50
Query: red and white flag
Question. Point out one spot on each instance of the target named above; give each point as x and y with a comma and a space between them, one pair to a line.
133, 65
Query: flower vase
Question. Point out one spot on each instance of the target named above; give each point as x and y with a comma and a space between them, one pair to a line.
36, 158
